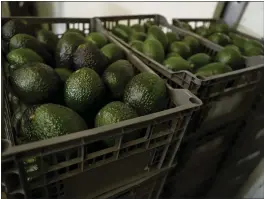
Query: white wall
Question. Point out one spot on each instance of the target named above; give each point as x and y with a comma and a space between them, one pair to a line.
92, 9
252, 21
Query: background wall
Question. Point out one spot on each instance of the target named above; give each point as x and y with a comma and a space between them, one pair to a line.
252, 21
91, 9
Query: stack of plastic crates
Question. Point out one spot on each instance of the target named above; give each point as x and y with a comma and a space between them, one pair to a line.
245, 155
227, 98
77, 165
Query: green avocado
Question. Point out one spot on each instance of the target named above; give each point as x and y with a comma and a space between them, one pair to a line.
83, 89
146, 93
220, 38
141, 36
155, 32
212, 69
193, 43
172, 37
138, 28
48, 39
200, 59
97, 38
13, 27
113, 52
154, 49
88, 55
202, 31
138, 45
116, 77
177, 64
231, 57
182, 48
36, 84
28, 41
21, 56
49, 121
66, 47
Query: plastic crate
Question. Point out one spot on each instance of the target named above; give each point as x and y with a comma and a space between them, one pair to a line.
148, 187
69, 162
194, 23
199, 162
225, 97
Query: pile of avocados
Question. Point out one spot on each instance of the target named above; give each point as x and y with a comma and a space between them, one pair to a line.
179, 53
220, 33
72, 83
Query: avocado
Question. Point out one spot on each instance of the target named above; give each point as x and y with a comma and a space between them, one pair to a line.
148, 24
115, 112
202, 31
141, 36
64, 73
116, 77
88, 55
122, 34
97, 38
28, 41
138, 45
48, 121
21, 56
74, 30
212, 69
239, 41
253, 43
220, 38
192, 42
253, 51
113, 52
13, 27
48, 39
83, 89
177, 64
181, 48
172, 54
154, 49
66, 46
126, 28
233, 47
155, 32
172, 37
38, 83
231, 57
138, 28
146, 93
219, 28
186, 26
199, 60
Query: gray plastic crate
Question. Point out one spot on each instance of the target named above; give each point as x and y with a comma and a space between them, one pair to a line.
196, 22
70, 162
225, 97
148, 187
